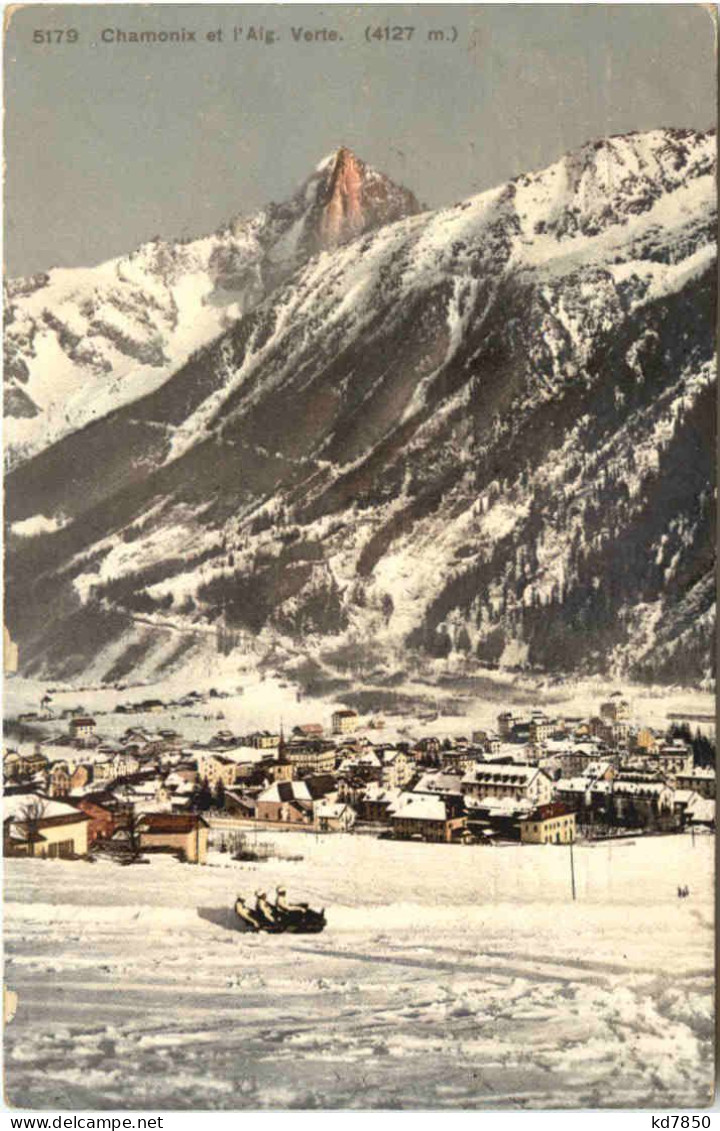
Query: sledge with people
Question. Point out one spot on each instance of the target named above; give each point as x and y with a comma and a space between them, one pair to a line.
279, 917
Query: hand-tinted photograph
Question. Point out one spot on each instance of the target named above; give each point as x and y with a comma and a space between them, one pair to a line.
359, 560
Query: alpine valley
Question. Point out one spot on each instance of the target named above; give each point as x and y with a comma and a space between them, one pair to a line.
346, 423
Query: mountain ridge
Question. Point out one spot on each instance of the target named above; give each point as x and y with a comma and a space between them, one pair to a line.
111, 333
477, 429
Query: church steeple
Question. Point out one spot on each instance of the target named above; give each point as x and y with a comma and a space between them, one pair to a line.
282, 748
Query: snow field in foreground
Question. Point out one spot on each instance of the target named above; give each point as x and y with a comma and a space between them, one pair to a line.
448, 977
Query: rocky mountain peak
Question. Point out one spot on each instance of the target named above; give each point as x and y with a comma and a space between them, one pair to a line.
116, 331
351, 197
342, 216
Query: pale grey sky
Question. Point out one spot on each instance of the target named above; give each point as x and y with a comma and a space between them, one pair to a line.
109, 144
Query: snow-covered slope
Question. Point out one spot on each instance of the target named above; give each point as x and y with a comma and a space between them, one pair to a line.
80, 342
489, 990
487, 429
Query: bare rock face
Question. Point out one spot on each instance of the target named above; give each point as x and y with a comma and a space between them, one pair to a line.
357, 199
343, 215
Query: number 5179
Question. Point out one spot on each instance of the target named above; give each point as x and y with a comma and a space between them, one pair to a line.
58, 35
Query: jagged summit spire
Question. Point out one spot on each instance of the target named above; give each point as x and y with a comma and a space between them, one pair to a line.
343, 208
352, 198
343, 154
335, 156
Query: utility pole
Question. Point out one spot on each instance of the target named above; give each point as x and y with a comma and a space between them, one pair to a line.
572, 868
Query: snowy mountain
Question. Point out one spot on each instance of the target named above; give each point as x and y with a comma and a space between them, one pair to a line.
486, 429
81, 342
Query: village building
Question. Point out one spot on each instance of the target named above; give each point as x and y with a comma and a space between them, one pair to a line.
495, 818
579, 729
351, 787
214, 768
137, 737
442, 784
81, 776
589, 795
376, 804
596, 725
103, 771
59, 779
125, 763
541, 728
641, 804
428, 751
311, 757
252, 762
293, 802
427, 817
180, 797
553, 823
574, 793
396, 768
150, 707
82, 728
145, 794
365, 763
308, 730
684, 803
344, 721
519, 782
100, 809
333, 817
264, 740
701, 779
574, 758
222, 738
614, 733
459, 760
280, 769
12, 765
285, 802
701, 813
239, 805
615, 709
172, 738
183, 833
675, 757
43, 827
645, 740
505, 723
32, 761
183, 774
520, 732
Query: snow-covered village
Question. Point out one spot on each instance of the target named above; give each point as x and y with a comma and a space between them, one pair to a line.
533, 778
360, 406
526, 898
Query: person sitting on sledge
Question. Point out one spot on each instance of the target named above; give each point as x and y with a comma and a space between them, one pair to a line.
243, 912
282, 905
263, 909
